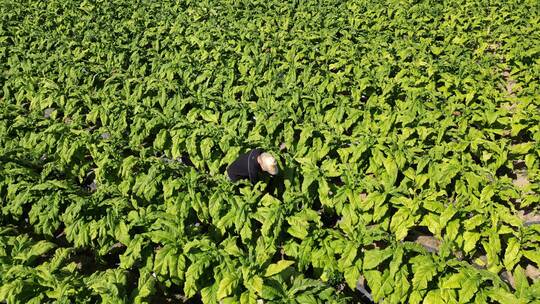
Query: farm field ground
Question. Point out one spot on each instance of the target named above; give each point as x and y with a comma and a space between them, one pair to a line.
408, 136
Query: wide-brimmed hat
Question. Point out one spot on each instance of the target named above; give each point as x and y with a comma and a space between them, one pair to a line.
268, 163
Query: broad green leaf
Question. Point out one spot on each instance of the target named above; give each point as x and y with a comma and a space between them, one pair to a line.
469, 287
454, 281
226, 286
423, 269
470, 240
504, 297
512, 254
522, 148
374, 257
277, 267
257, 284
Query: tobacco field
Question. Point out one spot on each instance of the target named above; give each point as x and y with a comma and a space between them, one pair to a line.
407, 135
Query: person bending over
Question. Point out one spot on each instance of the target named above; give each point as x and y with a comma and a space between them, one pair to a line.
251, 165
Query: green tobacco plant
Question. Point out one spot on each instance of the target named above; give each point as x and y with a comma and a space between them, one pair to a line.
407, 135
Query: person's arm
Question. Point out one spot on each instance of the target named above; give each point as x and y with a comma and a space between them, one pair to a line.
232, 171
238, 169
253, 165
254, 176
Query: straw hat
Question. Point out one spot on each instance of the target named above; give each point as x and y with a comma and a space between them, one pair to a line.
268, 163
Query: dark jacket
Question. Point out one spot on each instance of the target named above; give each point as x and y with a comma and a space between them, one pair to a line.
246, 166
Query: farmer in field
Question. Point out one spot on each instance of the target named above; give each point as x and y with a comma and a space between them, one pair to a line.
251, 165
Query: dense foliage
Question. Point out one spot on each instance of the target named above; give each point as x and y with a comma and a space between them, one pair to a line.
394, 121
